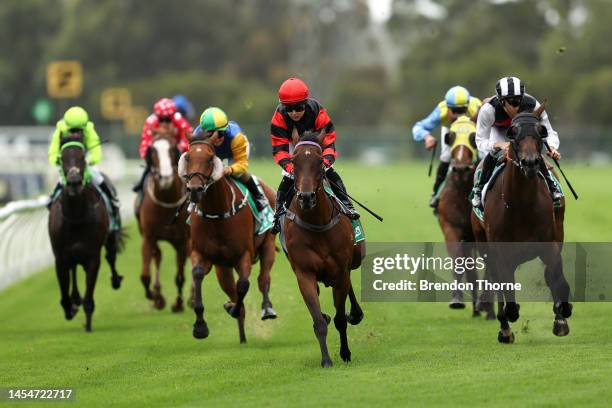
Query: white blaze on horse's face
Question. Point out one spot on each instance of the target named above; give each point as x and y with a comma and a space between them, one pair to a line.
162, 147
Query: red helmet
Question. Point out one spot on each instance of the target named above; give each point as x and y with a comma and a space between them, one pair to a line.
164, 108
293, 90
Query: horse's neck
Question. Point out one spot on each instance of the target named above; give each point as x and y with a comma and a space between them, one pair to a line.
172, 194
322, 211
218, 198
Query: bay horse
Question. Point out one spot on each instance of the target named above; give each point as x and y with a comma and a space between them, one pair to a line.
454, 207
321, 246
78, 228
163, 194
519, 209
222, 231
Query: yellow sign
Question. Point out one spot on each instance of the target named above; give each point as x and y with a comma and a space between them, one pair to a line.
115, 103
64, 79
134, 119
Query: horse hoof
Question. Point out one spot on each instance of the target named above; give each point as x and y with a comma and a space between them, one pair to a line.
228, 306
346, 356
200, 330
491, 315
326, 317
268, 313
116, 281
560, 327
177, 307
456, 305
476, 313
505, 339
235, 312
149, 295
354, 319
159, 302
87, 328
326, 363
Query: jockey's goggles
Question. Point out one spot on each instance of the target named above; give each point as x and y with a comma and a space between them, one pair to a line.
296, 107
513, 100
459, 110
165, 119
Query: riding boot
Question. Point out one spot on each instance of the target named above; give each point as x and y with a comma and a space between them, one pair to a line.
56, 189
138, 187
260, 200
440, 176
340, 191
488, 166
282, 197
111, 194
556, 193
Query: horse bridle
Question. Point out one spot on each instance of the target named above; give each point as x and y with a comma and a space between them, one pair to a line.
315, 144
207, 180
514, 141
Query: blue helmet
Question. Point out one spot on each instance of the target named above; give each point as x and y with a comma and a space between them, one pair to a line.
184, 106
457, 97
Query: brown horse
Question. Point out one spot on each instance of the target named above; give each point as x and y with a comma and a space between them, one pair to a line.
222, 230
454, 208
164, 193
519, 209
78, 228
321, 246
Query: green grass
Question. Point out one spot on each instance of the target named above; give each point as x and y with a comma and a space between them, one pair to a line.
403, 353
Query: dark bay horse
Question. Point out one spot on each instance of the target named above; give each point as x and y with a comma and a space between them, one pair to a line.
78, 228
454, 207
222, 231
519, 209
163, 193
320, 246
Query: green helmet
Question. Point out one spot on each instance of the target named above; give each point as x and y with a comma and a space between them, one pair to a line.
213, 119
76, 117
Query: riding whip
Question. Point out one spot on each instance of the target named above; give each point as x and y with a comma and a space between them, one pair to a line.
433, 155
562, 173
378, 217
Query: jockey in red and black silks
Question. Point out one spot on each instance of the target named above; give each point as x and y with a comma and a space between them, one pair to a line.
295, 114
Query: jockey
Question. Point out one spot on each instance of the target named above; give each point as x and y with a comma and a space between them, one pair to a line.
296, 111
494, 120
165, 115
76, 123
232, 144
184, 107
457, 102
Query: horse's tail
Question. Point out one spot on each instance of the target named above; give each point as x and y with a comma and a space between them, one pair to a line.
118, 238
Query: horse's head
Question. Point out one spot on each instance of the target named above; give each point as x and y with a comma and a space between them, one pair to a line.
162, 157
200, 167
73, 163
462, 141
308, 168
526, 135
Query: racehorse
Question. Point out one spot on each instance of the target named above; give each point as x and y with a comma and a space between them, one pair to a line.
519, 208
78, 228
163, 193
222, 231
454, 207
320, 245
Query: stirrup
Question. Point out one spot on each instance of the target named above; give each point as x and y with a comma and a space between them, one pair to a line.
433, 201
477, 199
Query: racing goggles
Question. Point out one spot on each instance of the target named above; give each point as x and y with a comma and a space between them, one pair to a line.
296, 107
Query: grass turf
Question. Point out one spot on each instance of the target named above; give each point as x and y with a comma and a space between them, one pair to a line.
403, 353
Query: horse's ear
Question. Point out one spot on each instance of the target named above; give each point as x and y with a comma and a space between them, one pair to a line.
473, 140
449, 138
542, 131
512, 132
541, 108
321, 137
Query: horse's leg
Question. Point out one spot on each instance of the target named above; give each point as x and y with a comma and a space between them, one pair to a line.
355, 316
308, 288
63, 277
225, 276
267, 254
485, 300
181, 256
498, 274
145, 275
242, 285
470, 276
88, 302
200, 269
158, 299
559, 289
340, 318
75, 296
112, 247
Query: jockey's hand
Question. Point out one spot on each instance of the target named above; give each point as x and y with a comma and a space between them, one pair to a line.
501, 146
430, 142
554, 153
227, 171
